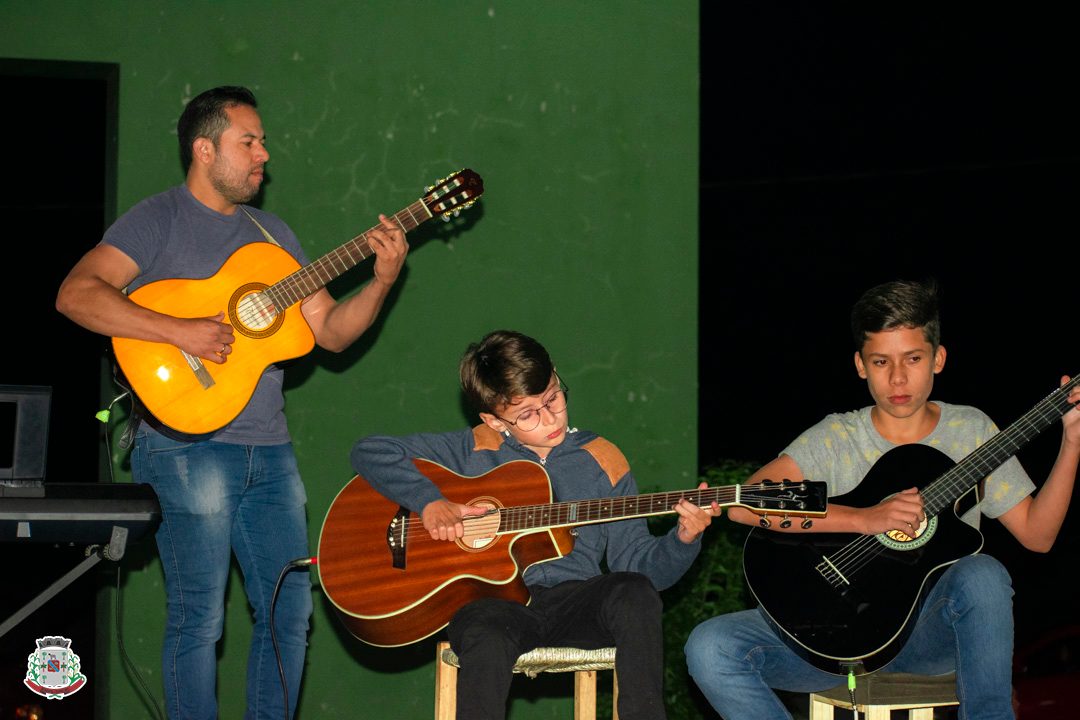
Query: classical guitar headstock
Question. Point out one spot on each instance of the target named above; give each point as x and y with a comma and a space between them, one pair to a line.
452, 194
800, 498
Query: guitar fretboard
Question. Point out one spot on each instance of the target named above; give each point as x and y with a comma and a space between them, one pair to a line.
944, 491
317, 274
561, 514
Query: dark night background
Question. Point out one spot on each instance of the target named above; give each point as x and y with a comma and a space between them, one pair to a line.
54, 197
841, 149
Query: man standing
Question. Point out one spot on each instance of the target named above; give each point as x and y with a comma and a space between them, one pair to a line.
237, 490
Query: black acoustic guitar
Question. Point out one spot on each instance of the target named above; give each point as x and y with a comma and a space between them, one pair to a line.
841, 599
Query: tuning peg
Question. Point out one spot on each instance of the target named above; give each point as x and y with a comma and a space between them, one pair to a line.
429, 188
807, 523
785, 523
765, 522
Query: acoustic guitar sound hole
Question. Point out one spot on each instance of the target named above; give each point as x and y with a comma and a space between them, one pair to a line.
251, 313
481, 530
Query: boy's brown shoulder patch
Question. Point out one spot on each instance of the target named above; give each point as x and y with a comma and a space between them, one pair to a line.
608, 457
484, 438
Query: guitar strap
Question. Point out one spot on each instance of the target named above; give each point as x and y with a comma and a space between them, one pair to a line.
265, 232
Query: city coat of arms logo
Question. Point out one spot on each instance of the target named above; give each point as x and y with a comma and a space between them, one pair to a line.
52, 670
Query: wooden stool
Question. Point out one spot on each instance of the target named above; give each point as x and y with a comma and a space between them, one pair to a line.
583, 663
879, 693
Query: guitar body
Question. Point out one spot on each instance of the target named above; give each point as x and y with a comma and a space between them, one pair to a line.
858, 606
389, 600
160, 374
259, 288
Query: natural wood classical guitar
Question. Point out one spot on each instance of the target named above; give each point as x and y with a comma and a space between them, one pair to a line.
393, 585
260, 287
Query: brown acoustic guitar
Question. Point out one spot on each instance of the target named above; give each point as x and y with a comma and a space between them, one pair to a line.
260, 287
392, 585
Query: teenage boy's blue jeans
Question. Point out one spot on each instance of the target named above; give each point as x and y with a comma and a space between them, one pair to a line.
219, 499
965, 624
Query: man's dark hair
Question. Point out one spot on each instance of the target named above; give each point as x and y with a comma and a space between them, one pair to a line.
504, 365
897, 304
205, 116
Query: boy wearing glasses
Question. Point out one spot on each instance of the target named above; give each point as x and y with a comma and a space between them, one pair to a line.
510, 379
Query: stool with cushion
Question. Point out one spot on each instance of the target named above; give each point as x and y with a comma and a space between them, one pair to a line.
583, 663
877, 694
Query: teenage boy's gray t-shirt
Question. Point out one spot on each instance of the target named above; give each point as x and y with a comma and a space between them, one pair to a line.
842, 448
173, 235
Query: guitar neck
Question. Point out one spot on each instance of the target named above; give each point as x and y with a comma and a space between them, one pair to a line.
316, 275
583, 512
944, 491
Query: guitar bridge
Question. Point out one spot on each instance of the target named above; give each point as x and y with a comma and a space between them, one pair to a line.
201, 373
831, 573
397, 537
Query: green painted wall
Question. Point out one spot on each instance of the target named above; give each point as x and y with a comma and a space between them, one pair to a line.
582, 117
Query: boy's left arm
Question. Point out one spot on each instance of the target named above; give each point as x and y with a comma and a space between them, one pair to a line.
1036, 521
665, 558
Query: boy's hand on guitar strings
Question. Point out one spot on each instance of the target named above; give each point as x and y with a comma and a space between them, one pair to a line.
903, 512
443, 519
692, 519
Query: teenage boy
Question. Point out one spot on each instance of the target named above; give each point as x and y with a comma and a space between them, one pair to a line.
510, 379
965, 623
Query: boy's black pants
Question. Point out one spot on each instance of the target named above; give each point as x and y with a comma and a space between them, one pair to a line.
614, 609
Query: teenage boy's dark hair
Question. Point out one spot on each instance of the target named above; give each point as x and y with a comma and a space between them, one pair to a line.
897, 304
503, 366
205, 116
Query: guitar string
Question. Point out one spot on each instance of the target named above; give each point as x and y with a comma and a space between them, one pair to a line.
296, 286
515, 519
849, 559
1027, 427
855, 555
317, 274
359, 243
962, 477
305, 281
460, 197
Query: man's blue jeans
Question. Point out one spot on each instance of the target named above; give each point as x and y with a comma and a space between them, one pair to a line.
217, 500
965, 624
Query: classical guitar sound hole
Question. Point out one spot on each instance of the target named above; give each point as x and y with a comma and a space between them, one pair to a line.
252, 313
480, 530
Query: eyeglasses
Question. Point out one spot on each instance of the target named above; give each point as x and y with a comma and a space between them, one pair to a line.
530, 419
